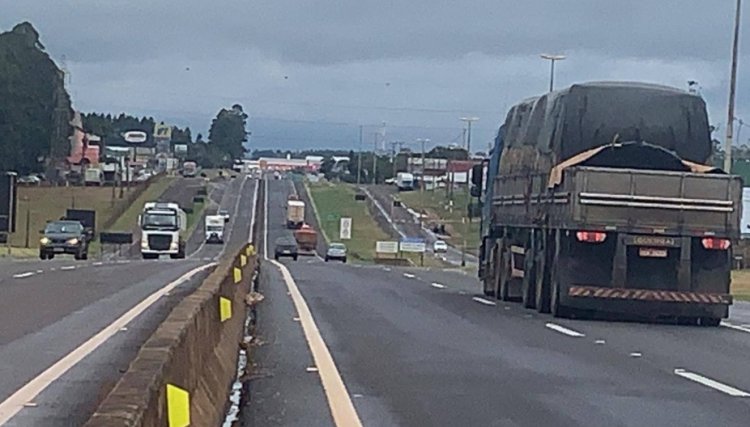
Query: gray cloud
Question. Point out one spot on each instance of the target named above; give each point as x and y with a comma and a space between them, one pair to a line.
441, 59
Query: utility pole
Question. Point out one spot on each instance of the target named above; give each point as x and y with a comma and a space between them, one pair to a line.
423, 141
468, 121
732, 89
359, 157
375, 160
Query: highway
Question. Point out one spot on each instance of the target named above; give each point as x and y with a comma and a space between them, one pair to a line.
52, 312
417, 347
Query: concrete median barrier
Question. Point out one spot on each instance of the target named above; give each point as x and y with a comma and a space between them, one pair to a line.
182, 375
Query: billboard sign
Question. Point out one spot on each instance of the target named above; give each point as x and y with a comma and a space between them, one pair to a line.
8, 202
412, 245
386, 247
135, 136
345, 229
180, 150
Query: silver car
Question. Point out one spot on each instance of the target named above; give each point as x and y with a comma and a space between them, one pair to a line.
336, 251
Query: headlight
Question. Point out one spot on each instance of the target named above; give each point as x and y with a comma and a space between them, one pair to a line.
73, 241
174, 246
44, 241
144, 243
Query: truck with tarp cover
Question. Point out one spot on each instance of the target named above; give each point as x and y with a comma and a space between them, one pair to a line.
599, 199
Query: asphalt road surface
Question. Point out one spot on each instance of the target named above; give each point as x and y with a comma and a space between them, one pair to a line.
49, 309
417, 347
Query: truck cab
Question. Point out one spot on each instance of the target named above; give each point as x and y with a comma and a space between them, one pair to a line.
163, 227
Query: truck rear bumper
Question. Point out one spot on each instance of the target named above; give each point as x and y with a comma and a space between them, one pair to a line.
647, 302
155, 252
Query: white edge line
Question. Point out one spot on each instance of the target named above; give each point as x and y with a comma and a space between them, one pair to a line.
23, 275
483, 301
563, 330
735, 327
339, 400
13, 404
252, 214
708, 382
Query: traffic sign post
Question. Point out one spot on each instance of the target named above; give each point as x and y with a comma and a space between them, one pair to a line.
345, 229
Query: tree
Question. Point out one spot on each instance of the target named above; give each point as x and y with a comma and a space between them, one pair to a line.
35, 109
228, 133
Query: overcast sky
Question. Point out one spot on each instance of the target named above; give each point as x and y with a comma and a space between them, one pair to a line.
414, 63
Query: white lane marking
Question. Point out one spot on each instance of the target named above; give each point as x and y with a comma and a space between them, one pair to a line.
409, 275
97, 264
265, 220
23, 275
484, 301
742, 328
386, 269
13, 404
708, 382
636, 354
39, 271
563, 330
437, 285
234, 216
68, 267
600, 342
339, 401
252, 215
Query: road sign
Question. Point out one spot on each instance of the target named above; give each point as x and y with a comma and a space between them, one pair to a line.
412, 245
345, 230
386, 247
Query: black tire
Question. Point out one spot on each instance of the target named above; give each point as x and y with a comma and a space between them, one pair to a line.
42, 256
504, 274
50, 256
709, 321
77, 257
344, 260
541, 289
149, 256
556, 307
85, 256
295, 257
276, 257
326, 259
528, 288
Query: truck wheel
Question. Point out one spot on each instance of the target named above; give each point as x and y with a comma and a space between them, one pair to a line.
504, 273
42, 256
85, 256
50, 256
541, 289
326, 259
556, 307
709, 321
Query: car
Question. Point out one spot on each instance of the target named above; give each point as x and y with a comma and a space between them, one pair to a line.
64, 237
336, 251
285, 248
439, 246
29, 179
224, 213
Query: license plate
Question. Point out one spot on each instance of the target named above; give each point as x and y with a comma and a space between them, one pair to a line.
652, 252
287, 252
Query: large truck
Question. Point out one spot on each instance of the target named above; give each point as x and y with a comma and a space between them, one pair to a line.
163, 228
295, 213
404, 181
599, 200
189, 169
307, 239
215, 228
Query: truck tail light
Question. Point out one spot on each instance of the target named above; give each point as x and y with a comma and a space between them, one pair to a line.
591, 236
716, 243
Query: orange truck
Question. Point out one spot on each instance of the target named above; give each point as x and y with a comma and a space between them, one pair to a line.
307, 238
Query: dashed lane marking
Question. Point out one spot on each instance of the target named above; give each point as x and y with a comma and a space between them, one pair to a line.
23, 275
563, 330
409, 275
484, 301
437, 285
68, 267
708, 382
13, 404
97, 264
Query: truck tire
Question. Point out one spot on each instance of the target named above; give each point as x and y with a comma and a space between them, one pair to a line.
709, 321
150, 256
504, 273
541, 290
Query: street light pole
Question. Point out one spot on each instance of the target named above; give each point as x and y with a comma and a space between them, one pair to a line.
359, 157
552, 59
732, 89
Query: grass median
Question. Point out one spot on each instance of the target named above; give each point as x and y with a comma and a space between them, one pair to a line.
741, 284
336, 201
437, 206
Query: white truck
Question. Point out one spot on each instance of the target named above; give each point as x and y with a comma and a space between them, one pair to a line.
295, 214
93, 176
404, 181
163, 228
215, 228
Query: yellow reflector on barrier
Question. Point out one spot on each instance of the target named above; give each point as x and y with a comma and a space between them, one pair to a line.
250, 250
178, 406
237, 275
243, 260
225, 309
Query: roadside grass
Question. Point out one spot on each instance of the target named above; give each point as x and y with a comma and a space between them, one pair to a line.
31, 252
334, 201
436, 204
194, 217
741, 284
129, 219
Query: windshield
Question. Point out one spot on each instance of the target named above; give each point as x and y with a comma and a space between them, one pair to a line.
63, 228
159, 221
338, 246
214, 228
